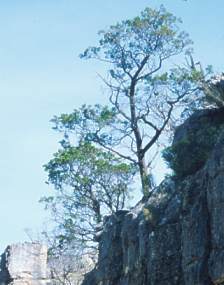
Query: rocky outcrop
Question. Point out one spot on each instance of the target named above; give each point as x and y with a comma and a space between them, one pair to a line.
24, 264
29, 264
214, 90
177, 236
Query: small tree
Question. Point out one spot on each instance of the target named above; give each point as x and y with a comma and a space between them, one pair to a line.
143, 95
90, 183
67, 263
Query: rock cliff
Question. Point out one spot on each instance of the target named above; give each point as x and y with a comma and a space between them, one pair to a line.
24, 264
177, 236
29, 264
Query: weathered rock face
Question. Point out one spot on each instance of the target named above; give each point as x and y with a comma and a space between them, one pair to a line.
176, 237
214, 90
24, 264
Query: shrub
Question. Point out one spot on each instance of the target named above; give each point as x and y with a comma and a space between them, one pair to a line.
190, 154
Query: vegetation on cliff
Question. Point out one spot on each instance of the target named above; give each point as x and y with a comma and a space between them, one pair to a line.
190, 152
105, 147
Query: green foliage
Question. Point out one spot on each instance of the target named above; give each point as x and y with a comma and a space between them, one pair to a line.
190, 154
154, 33
80, 117
88, 163
99, 124
144, 89
103, 145
90, 183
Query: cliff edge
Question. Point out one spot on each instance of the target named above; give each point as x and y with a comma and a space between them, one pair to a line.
177, 236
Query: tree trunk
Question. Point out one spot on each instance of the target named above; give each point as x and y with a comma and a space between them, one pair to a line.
144, 177
141, 158
96, 207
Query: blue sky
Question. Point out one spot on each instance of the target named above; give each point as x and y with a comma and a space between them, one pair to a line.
41, 75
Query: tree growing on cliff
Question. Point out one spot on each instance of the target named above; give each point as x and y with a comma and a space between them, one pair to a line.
105, 146
143, 91
89, 183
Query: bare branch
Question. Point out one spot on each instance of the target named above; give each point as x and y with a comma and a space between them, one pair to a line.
116, 152
143, 63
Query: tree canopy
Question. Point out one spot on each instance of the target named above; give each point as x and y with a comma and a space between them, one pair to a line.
90, 183
105, 146
144, 88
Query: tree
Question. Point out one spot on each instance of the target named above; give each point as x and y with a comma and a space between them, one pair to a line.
90, 183
143, 94
105, 146
69, 268
68, 264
